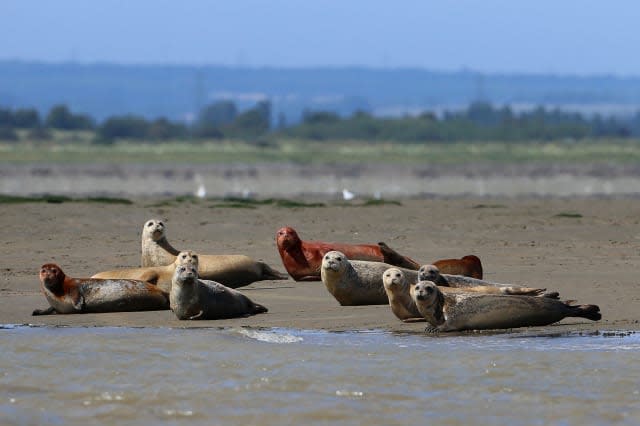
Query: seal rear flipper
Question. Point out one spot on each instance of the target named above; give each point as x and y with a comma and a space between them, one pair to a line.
394, 258
271, 274
591, 312
49, 311
258, 309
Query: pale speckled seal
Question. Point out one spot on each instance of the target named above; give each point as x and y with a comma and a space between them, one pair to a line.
432, 273
232, 270
194, 299
68, 295
403, 306
465, 311
356, 282
160, 276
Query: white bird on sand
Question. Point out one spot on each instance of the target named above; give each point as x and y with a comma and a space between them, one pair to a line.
347, 195
201, 192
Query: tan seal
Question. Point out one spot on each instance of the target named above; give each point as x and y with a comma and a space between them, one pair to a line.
68, 295
160, 276
432, 273
404, 307
465, 311
232, 270
195, 299
356, 282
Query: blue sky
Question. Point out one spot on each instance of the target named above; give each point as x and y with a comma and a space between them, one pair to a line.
543, 36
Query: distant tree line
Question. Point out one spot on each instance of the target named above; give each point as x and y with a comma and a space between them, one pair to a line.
480, 121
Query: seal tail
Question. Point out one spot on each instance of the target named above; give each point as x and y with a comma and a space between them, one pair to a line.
394, 258
591, 312
271, 274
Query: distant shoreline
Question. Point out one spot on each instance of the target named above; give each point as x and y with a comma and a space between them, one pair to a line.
323, 181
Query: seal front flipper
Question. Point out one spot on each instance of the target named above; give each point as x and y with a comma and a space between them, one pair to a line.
197, 316
431, 330
414, 320
49, 311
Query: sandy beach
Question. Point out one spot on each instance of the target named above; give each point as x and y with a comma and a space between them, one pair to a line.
585, 248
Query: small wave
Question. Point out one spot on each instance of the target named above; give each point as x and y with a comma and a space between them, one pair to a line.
270, 336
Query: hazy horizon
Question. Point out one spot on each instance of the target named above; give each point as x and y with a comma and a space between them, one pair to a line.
494, 36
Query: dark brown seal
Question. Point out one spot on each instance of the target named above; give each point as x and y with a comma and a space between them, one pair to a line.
194, 299
68, 295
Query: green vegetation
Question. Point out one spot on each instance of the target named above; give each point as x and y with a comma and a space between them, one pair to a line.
58, 199
570, 215
73, 147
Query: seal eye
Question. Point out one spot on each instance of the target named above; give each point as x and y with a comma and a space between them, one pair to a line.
160, 223
339, 259
429, 290
149, 223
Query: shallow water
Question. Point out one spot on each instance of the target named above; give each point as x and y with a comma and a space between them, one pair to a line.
281, 376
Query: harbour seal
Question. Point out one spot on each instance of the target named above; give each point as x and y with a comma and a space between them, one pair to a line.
464, 311
232, 270
68, 295
160, 276
356, 282
303, 259
432, 273
403, 306
469, 266
196, 299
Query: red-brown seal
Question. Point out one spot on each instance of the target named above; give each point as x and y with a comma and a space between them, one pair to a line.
465, 311
469, 266
303, 259
194, 299
160, 276
403, 306
68, 295
232, 270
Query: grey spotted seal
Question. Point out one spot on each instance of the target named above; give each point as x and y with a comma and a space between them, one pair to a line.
404, 307
160, 276
68, 295
432, 273
465, 311
232, 270
195, 299
356, 282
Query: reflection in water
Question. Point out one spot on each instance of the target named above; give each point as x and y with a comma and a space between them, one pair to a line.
276, 376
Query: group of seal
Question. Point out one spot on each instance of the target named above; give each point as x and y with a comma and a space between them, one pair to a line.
151, 286
450, 294
447, 302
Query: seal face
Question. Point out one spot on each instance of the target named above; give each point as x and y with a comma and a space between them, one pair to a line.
192, 298
466, 311
233, 270
68, 295
398, 293
303, 259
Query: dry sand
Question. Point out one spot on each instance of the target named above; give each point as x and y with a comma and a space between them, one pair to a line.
591, 259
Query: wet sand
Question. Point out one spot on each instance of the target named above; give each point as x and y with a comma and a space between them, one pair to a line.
535, 242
